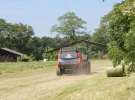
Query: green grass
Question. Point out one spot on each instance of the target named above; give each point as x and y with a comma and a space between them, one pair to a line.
25, 66
96, 87
99, 87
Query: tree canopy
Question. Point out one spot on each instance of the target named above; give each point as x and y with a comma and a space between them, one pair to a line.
120, 27
69, 25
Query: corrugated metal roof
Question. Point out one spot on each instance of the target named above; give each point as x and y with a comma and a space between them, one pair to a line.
12, 51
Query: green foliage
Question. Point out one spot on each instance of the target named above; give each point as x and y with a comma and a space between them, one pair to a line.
37, 48
120, 25
73, 28
100, 36
25, 66
51, 55
115, 54
15, 36
69, 25
25, 59
19, 37
130, 47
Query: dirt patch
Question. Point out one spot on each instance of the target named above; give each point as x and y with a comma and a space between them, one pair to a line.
36, 85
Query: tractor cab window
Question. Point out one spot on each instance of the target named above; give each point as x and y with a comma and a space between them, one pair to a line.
68, 55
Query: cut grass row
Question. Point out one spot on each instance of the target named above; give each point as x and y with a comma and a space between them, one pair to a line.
99, 87
25, 66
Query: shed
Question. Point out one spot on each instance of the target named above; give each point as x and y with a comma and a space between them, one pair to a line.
8, 55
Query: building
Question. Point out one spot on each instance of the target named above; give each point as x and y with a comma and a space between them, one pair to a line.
8, 55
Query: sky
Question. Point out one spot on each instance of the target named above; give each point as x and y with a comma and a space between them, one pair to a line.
43, 14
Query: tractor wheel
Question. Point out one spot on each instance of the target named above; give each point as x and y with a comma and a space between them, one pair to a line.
59, 72
87, 68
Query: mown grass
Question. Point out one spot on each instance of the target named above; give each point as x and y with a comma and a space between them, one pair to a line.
99, 87
25, 66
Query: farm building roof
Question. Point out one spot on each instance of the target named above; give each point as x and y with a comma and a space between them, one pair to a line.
12, 51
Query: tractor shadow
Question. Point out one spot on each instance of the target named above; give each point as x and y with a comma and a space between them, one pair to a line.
77, 74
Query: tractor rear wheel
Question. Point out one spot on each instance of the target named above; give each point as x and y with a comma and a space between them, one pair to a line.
59, 72
87, 68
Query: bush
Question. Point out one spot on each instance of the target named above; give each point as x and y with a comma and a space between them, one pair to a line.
25, 59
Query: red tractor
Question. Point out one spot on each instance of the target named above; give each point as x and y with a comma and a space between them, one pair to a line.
73, 61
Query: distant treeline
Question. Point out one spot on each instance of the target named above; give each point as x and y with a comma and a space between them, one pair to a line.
21, 38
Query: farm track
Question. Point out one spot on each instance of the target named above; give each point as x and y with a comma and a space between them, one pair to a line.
39, 84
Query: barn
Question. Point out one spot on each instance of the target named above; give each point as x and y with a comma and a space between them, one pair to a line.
8, 55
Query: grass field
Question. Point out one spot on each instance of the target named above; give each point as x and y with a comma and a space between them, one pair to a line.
25, 66
98, 87
41, 83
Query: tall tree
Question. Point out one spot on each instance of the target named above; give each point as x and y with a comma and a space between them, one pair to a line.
16, 36
69, 25
121, 32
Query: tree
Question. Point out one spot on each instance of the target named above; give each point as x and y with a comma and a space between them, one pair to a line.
100, 36
69, 25
121, 32
37, 48
21, 37
16, 36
